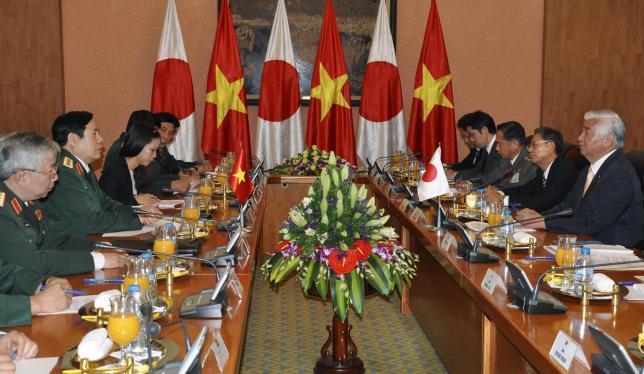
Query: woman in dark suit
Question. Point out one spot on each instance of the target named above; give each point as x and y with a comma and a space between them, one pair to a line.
124, 175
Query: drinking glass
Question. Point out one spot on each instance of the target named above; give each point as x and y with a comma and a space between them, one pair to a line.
165, 241
136, 274
190, 210
565, 256
494, 216
206, 187
123, 325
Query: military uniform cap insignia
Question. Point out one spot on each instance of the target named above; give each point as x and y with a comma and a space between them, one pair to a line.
2, 197
68, 162
16, 205
79, 169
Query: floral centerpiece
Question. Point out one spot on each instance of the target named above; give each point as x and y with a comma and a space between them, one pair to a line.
309, 162
336, 239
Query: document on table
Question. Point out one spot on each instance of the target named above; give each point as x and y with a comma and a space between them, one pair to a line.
144, 230
77, 303
35, 365
169, 204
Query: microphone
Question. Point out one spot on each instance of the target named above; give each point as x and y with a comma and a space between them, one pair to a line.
379, 168
146, 312
534, 302
471, 251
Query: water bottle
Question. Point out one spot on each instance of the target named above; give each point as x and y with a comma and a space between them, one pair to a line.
481, 204
508, 229
149, 269
583, 276
138, 346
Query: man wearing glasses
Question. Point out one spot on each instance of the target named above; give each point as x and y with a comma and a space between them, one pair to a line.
28, 171
555, 177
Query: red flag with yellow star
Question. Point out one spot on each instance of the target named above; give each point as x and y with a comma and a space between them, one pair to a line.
330, 121
239, 179
432, 109
225, 122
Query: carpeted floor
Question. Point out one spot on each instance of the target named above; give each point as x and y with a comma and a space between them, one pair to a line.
286, 330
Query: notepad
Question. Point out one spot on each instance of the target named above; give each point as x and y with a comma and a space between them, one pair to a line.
35, 365
77, 303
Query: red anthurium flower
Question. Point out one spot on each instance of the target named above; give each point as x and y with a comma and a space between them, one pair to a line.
284, 244
362, 248
343, 262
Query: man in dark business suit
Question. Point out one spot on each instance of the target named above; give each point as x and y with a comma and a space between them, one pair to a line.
474, 157
481, 131
515, 169
607, 197
555, 177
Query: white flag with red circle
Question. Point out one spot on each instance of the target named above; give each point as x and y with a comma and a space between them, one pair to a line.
172, 86
434, 181
381, 128
279, 131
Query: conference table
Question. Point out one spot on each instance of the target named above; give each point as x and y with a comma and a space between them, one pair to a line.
56, 334
472, 330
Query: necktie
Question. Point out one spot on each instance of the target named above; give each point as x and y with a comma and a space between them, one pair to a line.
543, 181
589, 180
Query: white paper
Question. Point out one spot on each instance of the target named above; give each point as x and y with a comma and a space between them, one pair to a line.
634, 293
144, 230
448, 241
77, 303
563, 350
219, 349
35, 365
491, 280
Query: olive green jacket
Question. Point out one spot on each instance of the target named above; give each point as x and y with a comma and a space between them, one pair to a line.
28, 239
16, 284
79, 204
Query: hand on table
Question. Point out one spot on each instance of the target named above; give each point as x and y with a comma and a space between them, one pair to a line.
524, 214
150, 219
62, 281
115, 258
493, 195
450, 174
19, 343
52, 299
147, 199
183, 183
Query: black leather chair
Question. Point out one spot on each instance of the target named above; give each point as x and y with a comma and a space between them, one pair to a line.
571, 151
636, 157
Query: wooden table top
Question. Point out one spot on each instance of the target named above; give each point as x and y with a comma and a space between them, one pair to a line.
58, 333
533, 335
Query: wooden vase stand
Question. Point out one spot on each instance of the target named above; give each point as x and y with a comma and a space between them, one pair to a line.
343, 356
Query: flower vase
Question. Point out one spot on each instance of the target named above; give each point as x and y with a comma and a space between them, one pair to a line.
343, 356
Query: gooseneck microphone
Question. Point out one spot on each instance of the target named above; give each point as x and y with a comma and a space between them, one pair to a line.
471, 251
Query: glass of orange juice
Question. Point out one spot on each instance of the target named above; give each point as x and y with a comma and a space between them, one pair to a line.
136, 275
165, 241
565, 256
123, 325
206, 187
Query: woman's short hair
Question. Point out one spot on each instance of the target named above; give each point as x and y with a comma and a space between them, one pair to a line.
139, 135
23, 151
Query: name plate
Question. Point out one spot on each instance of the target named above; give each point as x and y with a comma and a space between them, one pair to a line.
236, 285
564, 350
404, 205
491, 280
417, 215
219, 349
448, 241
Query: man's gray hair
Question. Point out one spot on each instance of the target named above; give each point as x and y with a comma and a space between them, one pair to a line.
611, 124
23, 150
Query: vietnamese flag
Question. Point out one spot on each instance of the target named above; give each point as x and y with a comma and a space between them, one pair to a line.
330, 123
432, 110
225, 123
239, 179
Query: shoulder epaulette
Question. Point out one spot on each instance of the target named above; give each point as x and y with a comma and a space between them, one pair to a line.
38, 214
16, 205
2, 197
68, 162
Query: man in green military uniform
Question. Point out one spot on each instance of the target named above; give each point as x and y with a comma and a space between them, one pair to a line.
16, 286
78, 202
28, 171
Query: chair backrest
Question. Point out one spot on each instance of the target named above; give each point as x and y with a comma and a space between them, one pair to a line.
636, 157
571, 151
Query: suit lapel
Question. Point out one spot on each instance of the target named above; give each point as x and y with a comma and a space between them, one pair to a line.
598, 176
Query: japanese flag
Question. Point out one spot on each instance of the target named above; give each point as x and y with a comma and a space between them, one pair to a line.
433, 182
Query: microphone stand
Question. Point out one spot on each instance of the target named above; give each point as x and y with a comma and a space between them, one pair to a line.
474, 255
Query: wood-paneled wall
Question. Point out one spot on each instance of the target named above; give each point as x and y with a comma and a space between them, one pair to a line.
31, 80
594, 59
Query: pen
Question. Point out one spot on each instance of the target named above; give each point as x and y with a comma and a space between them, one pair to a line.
102, 281
540, 258
627, 283
73, 292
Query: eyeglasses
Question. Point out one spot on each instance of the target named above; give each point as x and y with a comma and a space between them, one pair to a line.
52, 171
531, 145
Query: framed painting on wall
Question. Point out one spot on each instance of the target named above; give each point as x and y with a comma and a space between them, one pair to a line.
356, 20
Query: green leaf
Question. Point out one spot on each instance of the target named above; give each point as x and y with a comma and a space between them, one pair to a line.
378, 276
322, 282
276, 267
356, 290
340, 305
397, 282
312, 268
287, 268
